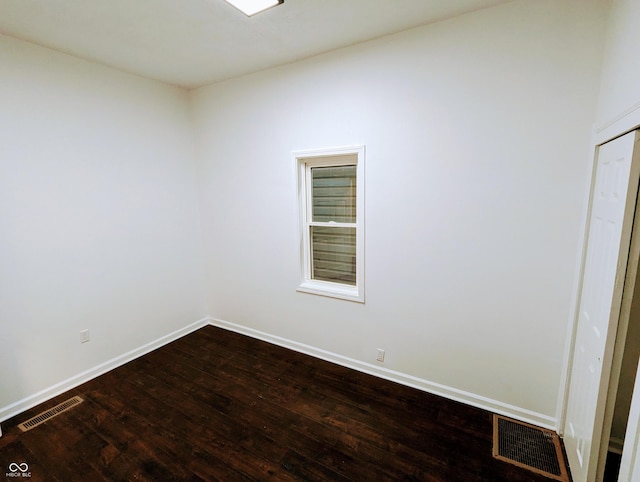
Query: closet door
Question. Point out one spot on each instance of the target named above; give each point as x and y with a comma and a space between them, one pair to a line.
613, 204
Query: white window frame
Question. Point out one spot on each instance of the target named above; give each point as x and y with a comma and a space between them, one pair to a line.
305, 160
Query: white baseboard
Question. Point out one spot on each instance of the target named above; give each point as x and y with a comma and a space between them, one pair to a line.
48, 393
472, 399
394, 376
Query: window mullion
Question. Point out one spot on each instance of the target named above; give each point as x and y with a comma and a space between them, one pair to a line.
332, 224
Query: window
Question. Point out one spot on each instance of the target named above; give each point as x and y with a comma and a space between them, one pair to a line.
331, 206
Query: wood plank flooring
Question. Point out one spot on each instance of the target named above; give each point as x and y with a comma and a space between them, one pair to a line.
216, 405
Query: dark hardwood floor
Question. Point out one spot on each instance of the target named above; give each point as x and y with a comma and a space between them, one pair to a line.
216, 405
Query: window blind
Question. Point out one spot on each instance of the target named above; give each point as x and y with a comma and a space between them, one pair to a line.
332, 235
334, 194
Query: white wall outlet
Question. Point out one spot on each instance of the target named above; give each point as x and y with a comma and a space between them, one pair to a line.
380, 355
84, 336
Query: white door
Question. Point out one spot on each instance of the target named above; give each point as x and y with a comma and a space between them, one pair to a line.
610, 223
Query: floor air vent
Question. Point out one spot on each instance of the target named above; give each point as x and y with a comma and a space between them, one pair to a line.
49, 414
529, 447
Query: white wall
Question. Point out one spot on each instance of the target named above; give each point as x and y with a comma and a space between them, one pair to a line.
477, 135
99, 221
477, 132
620, 87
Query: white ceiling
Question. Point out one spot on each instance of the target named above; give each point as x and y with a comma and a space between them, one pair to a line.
196, 42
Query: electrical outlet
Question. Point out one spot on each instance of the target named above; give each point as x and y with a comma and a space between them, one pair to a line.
380, 355
84, 336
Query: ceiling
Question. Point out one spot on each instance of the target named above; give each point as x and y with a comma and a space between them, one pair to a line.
190, 43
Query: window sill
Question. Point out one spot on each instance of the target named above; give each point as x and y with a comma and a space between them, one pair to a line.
332, 290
